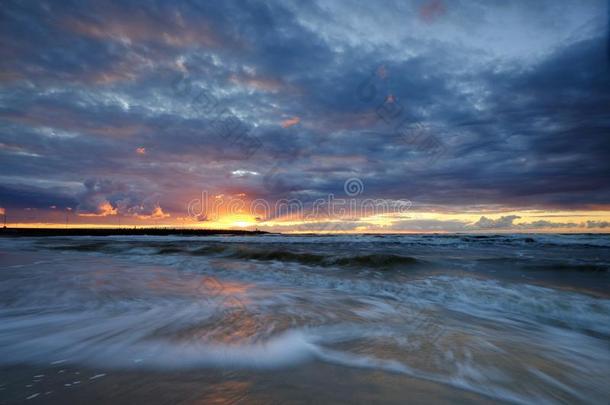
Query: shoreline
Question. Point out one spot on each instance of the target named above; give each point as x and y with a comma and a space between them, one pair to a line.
44, 232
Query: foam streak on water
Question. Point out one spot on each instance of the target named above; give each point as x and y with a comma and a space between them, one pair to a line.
514, 318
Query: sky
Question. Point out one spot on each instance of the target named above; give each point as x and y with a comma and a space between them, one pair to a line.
321, 116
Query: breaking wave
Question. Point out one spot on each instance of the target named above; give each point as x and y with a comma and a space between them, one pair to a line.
164, 304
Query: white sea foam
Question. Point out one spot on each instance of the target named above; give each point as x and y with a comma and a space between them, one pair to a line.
149, 311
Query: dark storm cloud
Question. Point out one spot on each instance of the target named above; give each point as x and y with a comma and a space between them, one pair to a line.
172, 97
16, 196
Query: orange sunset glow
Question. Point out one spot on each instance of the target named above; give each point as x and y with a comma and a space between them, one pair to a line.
288, 202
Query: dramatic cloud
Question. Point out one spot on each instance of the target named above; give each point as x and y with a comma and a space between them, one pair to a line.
126, 108
103, 210
500, 223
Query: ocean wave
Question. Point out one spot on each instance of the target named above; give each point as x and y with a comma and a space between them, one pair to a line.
154, 338
241, 251
545, 264
471, 333
577, 267
373, 260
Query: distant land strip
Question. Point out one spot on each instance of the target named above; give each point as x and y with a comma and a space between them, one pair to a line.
32, 232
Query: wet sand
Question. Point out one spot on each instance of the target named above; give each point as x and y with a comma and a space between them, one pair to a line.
312, 383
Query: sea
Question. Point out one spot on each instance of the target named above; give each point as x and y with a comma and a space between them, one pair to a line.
291, 319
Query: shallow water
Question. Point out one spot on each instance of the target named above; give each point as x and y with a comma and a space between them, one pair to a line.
509, 318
